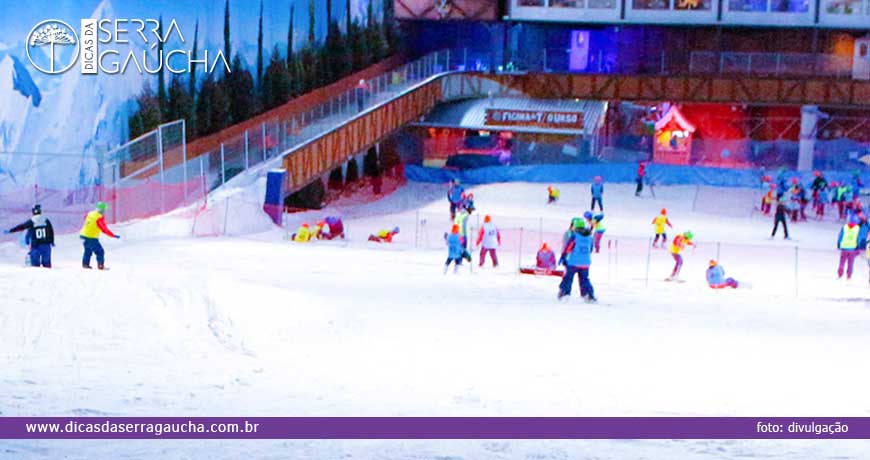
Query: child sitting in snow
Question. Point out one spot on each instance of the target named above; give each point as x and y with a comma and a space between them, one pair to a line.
716, 277
302, 235
598, 228
552, 194
384, 236
546, 259
322, 231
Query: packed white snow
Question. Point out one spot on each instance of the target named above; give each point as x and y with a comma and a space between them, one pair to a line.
254, 325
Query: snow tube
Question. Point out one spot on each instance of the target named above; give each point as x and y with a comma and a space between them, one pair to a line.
542, 271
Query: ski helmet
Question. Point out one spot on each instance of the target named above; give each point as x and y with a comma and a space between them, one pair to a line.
817, 173
545, 246
487, 218
455, 229
587, 215
712, 263
598, 179
689, 235
599, 217
37, 209
102, 206
396, 230
664, 212
577, 223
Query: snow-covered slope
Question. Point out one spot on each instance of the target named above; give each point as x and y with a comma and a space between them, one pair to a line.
253, 325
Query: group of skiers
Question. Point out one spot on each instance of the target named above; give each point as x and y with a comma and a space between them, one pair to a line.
329, 228
790, 199
40, 237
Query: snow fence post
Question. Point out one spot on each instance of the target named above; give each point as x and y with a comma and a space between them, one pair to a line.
246, 150
263, 138
223, 168
648, 256
204, 184
162, 176
184, 155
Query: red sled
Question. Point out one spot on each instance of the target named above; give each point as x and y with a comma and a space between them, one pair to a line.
542, 271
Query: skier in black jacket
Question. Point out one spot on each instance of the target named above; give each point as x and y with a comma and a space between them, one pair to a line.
779, 218
40, 234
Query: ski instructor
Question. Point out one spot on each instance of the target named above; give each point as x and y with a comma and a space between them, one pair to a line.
95, 223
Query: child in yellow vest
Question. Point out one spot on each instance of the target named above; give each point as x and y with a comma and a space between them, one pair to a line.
660, 221
95, 224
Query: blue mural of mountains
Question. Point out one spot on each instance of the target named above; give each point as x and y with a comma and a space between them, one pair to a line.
24, 84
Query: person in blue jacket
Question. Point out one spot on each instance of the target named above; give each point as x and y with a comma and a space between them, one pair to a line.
716, 277
455, 197
577, 258
455, 248
597, 190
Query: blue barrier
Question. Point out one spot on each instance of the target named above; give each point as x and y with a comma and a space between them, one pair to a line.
614, 173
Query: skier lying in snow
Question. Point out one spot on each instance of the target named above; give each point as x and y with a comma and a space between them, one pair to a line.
302, 235
716, 277
384, 236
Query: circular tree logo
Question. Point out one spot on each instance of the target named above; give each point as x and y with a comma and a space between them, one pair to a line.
52, 46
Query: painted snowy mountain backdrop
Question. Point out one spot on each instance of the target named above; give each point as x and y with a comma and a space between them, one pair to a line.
54, 127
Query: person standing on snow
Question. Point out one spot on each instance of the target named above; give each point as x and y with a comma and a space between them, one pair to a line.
660, 221
779, 218
641, 173
577, 258
716, 277
680, 242
552, 194
597, 190
847, 243
489, 239
455, 249
95, 223
462, 221
40, 234
454, 196
598, 228
818, 188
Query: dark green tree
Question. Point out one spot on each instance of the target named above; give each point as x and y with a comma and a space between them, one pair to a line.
240, 87
290, 35
161, 78
147, 115
276, 82
311, 32
260, 49
191, 85
212, 107
179, 103
227, 47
